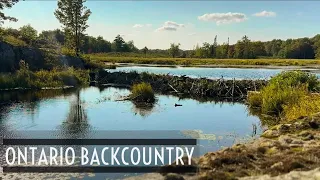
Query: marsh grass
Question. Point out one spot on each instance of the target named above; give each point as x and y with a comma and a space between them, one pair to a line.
142, 92
288, 95
24, 78
199, 61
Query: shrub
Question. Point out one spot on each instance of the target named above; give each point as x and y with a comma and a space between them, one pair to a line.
285, 94
68, 52
24, 78
308, 105
295, 78
142, 92
254, 98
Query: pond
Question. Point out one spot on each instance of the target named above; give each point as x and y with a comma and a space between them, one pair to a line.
46, 110
212, 73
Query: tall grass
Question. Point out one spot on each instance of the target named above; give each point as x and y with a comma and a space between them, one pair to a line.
287, 94
24, 78
142, 92
199, 61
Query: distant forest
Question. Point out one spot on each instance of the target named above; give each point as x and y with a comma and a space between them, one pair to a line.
73, 39
302, 48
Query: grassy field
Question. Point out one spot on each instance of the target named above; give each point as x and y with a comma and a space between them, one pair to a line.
197, 61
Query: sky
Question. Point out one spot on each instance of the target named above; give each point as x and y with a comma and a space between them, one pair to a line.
156, 24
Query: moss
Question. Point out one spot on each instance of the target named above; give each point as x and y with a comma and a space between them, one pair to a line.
14, 41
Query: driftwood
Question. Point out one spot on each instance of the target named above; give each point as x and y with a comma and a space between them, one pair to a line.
195, 87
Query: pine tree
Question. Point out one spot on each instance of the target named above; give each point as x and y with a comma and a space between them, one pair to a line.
6, 4
73, 15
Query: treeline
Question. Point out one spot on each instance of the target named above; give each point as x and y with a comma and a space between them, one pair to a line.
302, 48
73, 38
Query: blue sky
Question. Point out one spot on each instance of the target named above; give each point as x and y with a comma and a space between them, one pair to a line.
156, 24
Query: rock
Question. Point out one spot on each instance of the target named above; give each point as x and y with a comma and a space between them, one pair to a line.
283, 128
10, 56
179, 168
290, 141
277, 165
7, 58
172, 176
271, 134
314, 124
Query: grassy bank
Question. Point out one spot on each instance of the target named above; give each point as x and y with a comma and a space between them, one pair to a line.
197, 61
24, 78
289, 95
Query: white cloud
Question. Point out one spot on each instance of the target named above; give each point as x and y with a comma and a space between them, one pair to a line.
166, 28
170, 26
137, 26
223, 18
141, 25
173, 24
265, 14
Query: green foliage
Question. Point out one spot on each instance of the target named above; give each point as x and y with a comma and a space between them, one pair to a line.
142, 92
6, 4
284, 94
307, 106
174, 50
14, 41
145, 50
24, 78
68, 52
73, 15
28, 34
295, 79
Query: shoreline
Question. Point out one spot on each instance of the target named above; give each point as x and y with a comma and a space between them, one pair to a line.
309, 67
287, 151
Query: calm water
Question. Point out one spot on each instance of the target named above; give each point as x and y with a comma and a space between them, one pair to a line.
212, 73
222, 123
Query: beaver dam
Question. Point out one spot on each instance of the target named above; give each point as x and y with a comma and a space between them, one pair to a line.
182, 85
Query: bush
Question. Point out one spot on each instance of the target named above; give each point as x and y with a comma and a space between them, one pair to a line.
285, 93
68, 52
308, 105
142, 92
24, 78
296, 78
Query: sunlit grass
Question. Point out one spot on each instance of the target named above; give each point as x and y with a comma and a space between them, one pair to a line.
288, 95
198, 61
142, 92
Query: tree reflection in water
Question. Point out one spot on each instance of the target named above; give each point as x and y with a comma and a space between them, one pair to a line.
76, 124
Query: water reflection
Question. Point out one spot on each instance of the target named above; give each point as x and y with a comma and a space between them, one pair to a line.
78, 112
76, 124
143, 109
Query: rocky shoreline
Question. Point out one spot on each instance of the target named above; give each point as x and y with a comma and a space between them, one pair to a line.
285, 151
